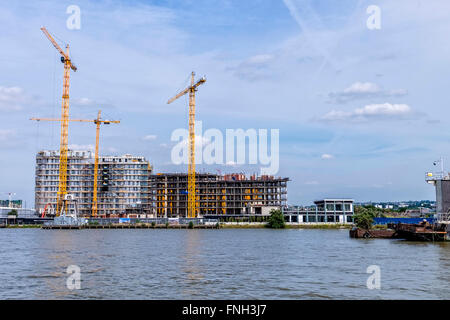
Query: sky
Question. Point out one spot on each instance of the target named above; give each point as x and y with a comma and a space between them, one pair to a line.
362, 113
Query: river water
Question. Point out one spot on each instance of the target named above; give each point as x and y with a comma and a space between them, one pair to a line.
218, 264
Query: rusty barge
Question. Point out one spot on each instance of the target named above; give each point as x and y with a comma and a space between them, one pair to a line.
423, 231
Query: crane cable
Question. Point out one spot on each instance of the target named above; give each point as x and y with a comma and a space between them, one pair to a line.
52, 125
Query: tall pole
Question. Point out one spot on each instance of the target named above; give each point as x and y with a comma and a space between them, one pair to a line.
62, 188
94, 200
192, 210
192, 205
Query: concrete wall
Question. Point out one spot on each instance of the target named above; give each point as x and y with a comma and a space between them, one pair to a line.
442, 196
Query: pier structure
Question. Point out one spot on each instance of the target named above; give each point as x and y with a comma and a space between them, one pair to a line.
441, 182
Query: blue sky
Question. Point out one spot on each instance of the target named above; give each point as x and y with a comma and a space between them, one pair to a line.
362, 113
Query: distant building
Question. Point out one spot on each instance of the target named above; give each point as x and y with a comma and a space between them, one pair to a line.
418, 213
11, 204
22, 213
326, 210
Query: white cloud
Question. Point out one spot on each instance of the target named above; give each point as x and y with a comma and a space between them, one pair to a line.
82, 147
259, 59
383, 111
6, 135
150, 137
363, 90
253, 68
112, 150
11, 98
326, 156
362, 87
199, 141
83, 101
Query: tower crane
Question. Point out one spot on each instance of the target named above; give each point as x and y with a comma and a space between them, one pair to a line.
192, 205
97, 122
65, 58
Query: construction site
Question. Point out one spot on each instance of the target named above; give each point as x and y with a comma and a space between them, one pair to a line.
218, 195
86, 184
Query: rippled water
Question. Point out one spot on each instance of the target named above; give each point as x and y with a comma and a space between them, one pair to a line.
217, 264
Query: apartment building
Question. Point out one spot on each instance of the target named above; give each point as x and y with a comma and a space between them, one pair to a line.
123, 183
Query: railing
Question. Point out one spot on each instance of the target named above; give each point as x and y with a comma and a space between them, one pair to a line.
432, 176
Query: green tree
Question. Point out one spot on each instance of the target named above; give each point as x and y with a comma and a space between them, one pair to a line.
191, 225
370, 210
13, 212
276, 220
363, 220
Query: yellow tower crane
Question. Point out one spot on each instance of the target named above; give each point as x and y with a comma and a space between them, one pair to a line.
62, 187
97, 122
192, 205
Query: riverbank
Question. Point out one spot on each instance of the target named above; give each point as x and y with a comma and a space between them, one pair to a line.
20, 226
288, 226
235, 225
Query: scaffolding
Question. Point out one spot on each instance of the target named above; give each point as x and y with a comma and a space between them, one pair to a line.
123, 183
233, 194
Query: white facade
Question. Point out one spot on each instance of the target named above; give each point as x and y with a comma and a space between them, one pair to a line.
123, 182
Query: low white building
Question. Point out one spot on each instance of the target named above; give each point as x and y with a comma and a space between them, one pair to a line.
324, 211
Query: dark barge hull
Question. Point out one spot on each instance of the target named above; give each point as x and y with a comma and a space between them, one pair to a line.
423, 231
422, 236
359, 233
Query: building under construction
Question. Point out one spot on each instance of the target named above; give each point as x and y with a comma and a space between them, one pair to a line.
123, 183
127, 187
218, 195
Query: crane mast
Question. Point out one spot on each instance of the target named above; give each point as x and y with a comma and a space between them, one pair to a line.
63, 148
192, 204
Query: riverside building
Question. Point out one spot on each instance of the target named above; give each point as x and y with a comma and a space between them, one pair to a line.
123, 183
